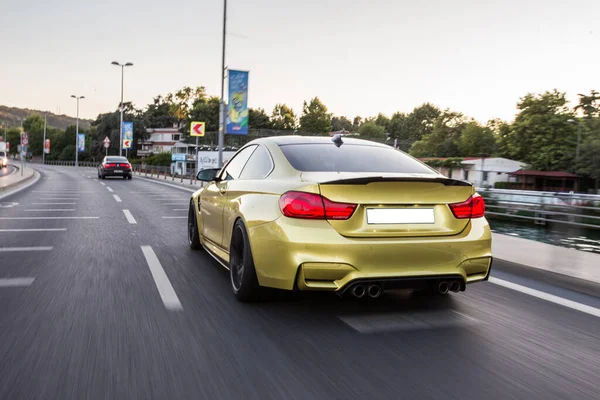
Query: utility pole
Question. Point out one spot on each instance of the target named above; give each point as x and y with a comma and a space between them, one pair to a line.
44, 143
77, 130
121, 104
222, 108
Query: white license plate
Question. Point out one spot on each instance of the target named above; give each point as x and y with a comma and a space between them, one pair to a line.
400, 216
118, 171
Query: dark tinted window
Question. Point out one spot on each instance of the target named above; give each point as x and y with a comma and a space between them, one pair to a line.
351, 158
116, 159
259, 165
235, 166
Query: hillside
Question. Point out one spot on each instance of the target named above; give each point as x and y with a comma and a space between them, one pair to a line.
12, 115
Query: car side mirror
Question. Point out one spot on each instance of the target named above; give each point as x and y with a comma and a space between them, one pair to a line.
208, 175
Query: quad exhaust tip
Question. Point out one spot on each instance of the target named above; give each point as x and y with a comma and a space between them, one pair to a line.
374, 291
455, 286
359, 291
443, 287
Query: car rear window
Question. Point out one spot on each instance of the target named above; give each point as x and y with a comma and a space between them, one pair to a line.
116, 159
351, 158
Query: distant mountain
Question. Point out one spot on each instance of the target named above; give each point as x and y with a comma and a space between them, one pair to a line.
12, 117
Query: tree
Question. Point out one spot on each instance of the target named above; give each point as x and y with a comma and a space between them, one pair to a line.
476, 140
206, 110
372, 130
589, 160
356, 123
541, 135
340, 123
13, 136
315, 118
34, 126
589, 105
420, 121
444, 139
258, 119
158, 114
283, 118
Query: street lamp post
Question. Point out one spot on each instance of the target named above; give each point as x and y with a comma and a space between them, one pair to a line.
222, 108
77, 130
121, 105
44, 142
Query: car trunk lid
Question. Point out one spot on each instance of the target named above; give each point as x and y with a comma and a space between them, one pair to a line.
395, 205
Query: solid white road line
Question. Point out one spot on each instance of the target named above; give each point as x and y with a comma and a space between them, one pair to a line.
109, 189
174, 217
117, 198
129, 217
16, 282
38, 248
52, 204
165, 289
34, 230
546, 296
50, 209
49, 217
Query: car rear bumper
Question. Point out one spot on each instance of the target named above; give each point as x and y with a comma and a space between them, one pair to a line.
292, 254
112, 173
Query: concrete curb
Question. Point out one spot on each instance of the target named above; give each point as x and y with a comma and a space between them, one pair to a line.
553, 278
21, 185
190, 190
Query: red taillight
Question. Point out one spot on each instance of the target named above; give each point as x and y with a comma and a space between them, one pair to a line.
110, 165
313, 206
474, 207
127, 166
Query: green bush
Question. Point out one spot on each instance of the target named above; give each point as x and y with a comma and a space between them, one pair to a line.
501, 185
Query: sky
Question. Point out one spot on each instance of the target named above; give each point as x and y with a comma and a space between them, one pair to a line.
359, 57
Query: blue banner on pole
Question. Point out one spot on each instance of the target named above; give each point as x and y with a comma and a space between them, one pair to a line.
81, 142
237, 108
127, 134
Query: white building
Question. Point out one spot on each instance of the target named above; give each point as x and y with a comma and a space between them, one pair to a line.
483, 172
161, 140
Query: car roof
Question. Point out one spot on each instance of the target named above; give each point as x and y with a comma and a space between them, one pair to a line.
285, 140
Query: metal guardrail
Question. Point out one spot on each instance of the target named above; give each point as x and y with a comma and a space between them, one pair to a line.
84, 164
570, 209
165, 173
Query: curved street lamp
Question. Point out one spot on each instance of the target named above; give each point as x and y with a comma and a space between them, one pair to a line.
128, 64
77, 130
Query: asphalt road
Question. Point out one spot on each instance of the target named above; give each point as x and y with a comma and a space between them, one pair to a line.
81, 317
6, 171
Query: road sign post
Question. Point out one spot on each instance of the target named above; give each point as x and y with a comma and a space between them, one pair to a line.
197, 128
106, 144
24, 143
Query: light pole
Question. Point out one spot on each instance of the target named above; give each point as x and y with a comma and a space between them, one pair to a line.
222, 108
44, 142
121, 105
77, 130
572, 121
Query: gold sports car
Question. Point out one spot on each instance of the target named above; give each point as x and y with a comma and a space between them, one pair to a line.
338, 214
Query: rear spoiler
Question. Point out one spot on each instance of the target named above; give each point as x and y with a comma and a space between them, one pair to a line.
370, 179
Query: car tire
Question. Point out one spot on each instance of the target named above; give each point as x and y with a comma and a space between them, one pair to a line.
242, 273
129, 177
193, 233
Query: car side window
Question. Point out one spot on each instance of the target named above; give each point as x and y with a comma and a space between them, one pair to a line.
259, 165
235, 166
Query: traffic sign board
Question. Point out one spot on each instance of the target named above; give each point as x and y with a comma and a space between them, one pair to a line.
106, 142
197, 128
126, 143
24, 139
